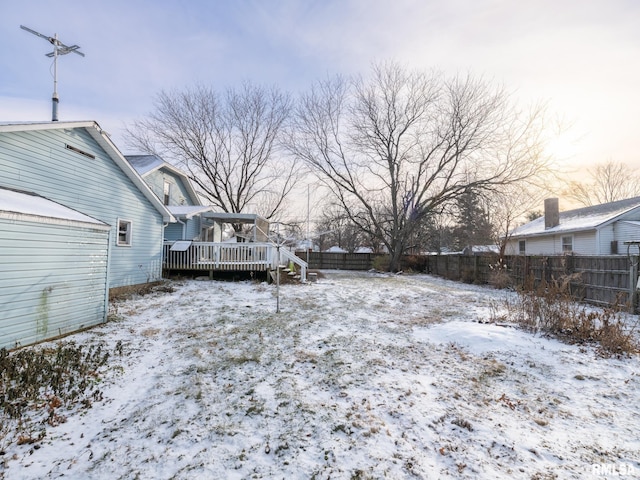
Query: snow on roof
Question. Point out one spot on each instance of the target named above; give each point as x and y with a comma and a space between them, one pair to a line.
36, 208
336, 249
188, 211
586, 218
144, 164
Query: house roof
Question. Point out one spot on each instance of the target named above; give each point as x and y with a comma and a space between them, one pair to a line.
27, 206
103, 139
188, 211
145, 164
587, 218
234, 217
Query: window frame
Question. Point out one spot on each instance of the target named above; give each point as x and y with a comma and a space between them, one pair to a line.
522, 247
166, 192
128, 241
563, 244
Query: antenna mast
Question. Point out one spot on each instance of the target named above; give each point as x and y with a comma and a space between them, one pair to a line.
59, 48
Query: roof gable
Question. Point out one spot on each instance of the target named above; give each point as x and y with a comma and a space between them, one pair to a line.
147, 164
103, 140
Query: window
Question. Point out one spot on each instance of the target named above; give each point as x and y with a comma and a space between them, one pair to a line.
567, 244
124, 233
522, 247
167, 193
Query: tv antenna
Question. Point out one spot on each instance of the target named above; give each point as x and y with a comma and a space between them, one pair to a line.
59, 48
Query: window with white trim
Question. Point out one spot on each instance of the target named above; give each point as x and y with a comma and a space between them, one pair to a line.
167, 193
124, 233
567, 244
522, 245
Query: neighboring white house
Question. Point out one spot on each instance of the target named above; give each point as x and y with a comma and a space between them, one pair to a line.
597, 230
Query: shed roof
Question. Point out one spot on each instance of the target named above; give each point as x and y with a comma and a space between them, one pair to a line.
27, 206
580, 219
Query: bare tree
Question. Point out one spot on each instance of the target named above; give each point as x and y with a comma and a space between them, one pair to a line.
513, 205
400, 145
339, 230
608, 182
228, 144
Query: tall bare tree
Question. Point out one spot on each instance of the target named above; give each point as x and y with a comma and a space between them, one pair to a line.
228, 143
608, 182
398, 146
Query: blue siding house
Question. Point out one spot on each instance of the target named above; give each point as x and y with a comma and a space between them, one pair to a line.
176, 192
75, 165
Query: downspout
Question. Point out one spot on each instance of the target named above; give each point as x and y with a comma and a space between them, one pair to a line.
107, 280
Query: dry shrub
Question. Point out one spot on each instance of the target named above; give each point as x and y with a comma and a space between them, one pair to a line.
499, 276
550, 308
414, 263
37, 384
381, 263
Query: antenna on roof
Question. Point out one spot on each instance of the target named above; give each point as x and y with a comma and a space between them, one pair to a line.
59, 48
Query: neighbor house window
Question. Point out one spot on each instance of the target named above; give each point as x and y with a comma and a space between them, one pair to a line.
124, 233
567, 244
167, 192
522, 247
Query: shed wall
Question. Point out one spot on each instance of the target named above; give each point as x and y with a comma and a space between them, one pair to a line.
53, 280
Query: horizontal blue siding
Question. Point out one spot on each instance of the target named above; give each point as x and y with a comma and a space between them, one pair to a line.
53, 280
178, 194
38, 161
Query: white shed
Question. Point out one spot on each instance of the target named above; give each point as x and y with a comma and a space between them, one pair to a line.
53, 269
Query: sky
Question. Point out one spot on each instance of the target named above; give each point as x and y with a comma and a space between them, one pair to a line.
580, 57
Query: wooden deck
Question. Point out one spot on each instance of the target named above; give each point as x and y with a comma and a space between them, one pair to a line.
228, 257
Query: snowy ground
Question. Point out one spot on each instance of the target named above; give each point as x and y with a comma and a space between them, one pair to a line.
358, 376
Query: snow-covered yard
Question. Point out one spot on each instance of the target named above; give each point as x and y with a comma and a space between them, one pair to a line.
358, 376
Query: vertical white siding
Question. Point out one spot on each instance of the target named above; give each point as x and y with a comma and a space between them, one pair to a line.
38, 161
52, 280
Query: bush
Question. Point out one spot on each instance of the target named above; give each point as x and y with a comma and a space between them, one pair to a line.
38, 384
551, 309
414, 263
499, 276
381, 263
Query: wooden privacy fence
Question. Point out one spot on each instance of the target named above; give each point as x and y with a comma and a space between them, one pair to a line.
605, 280
339, 261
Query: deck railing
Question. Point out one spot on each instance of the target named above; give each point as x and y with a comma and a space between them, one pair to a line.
208, 256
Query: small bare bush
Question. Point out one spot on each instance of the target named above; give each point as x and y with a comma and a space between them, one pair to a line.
499, 276
550, 308
37, 384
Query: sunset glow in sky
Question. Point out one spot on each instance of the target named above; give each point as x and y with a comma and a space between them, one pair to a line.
582, 57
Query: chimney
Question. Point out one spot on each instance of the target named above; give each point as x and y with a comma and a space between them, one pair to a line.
551, 213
